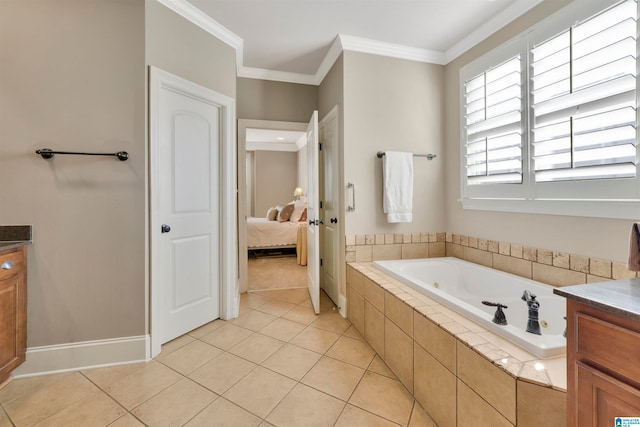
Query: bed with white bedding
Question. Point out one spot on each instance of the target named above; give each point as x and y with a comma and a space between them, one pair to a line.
265, 234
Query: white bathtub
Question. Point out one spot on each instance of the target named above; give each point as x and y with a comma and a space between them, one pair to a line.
462, 286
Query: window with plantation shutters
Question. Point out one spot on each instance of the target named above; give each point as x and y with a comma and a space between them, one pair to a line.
583, 99
549, 119
493, 114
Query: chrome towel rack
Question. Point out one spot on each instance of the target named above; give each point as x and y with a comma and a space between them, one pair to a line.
428, 156
48, 153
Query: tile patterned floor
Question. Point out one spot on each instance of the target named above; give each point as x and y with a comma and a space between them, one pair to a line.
277, 364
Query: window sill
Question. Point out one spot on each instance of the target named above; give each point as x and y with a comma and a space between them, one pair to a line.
615, 209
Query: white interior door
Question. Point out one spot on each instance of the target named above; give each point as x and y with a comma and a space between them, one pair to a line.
313, 214
330, 244
189, 212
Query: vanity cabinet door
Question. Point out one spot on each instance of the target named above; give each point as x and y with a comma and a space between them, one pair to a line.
602, 398
13, 311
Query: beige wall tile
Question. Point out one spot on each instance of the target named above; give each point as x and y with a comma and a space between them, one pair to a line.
442, 237
374, 294
350, 240
557, 276
398, 238
438, 342
399, 313
406, 238
454, 250
434, 388
504, 248
370, 239
379, 239
596, 279
381, 252
541, 406
545, 257
416, 238
483, 244
493, 246
355, 309
517, 266
374, 328
364, 253
473, 242
473, 410
415, 250
355, 279
448, 237
464, 240
350, 256
579, 263
516, 250
360, 239
478, 257
437, 249
388, 239
424, 237
490, 382
619, 271
600, 267
455, 239
530, 254
560, 259
398, 353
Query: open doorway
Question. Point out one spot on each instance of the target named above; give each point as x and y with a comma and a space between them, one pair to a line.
272, 183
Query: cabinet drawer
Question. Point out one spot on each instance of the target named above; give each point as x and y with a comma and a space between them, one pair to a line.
15, 257
610, 346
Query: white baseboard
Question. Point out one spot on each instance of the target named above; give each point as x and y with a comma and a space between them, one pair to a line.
83, 355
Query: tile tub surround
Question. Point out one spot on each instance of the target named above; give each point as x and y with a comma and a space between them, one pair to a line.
457, 370
542, 265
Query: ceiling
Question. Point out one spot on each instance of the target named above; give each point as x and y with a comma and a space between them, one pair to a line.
274, 140
292, 40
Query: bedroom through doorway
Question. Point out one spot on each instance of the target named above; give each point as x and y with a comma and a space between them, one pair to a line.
274, 199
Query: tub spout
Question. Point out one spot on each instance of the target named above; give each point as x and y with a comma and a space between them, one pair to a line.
499, 318
533, 324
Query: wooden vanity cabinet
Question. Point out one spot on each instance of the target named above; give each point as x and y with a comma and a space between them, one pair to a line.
603, 366
13, 310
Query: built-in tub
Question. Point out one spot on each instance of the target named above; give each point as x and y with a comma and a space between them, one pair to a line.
462, 286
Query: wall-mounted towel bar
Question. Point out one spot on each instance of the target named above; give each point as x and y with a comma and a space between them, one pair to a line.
48, 153
428, 156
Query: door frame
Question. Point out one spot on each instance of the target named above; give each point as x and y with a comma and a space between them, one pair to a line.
229, 291
243, 125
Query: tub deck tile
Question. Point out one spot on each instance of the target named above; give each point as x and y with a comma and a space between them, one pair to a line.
515, 361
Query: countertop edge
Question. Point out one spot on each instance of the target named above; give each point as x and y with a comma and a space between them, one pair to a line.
591, 294
4, 246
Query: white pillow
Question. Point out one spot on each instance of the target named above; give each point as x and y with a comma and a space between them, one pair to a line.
298, 207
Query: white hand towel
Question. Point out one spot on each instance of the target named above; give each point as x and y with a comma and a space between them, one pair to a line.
397, 172
634, 249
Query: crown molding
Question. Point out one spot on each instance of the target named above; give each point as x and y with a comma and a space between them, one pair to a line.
358, 44
346, 43
496, 23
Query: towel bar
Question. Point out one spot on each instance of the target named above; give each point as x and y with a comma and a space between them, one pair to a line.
48, 153
429, 156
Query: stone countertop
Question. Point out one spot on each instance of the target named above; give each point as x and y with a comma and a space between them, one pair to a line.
14, 236
621, 297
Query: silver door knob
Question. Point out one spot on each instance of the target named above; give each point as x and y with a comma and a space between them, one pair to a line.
7, 265
165, 228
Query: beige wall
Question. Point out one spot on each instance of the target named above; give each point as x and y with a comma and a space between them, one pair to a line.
72, 77
592, 237
303, 178
393, 104
278, 101
275, 179
179, 47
